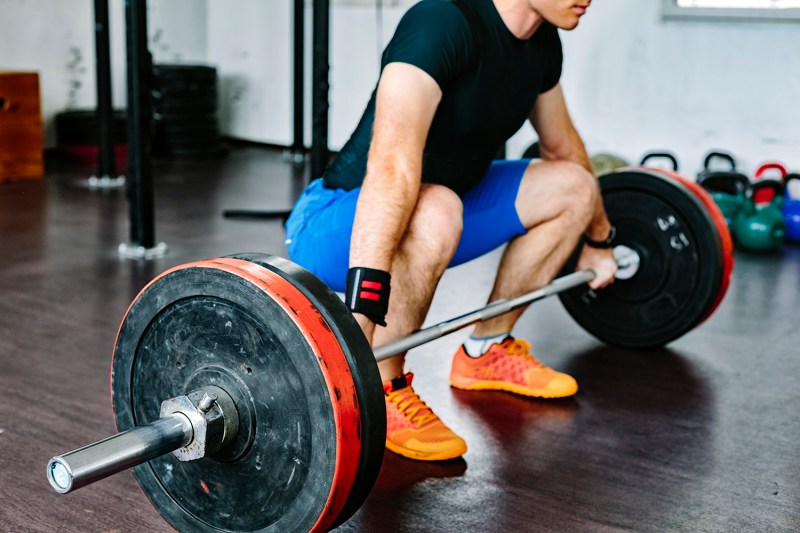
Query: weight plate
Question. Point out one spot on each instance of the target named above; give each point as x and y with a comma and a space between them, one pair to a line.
193, 104
362, 363
241, 327
163, 72
679, 274
723, 231
81, 127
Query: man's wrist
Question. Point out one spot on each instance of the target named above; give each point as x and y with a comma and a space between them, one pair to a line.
604, 241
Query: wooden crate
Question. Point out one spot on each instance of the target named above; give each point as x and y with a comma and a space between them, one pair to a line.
21, 138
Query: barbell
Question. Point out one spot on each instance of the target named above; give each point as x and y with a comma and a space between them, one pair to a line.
273, 415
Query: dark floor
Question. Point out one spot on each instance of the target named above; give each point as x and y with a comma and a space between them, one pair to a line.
703, 436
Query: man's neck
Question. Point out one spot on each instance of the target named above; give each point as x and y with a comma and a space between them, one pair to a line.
519, 17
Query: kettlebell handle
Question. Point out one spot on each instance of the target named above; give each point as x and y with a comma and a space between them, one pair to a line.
663, 155
723, 181
771, 165
719, 155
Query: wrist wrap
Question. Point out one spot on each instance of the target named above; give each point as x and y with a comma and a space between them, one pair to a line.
605, 244
368, 293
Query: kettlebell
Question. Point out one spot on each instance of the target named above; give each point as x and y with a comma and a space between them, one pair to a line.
727, 188
764, 196
604, 163
791, 206
661, 155
761, 227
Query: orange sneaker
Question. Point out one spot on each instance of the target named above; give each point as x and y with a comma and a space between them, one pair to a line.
509, 366
412, 429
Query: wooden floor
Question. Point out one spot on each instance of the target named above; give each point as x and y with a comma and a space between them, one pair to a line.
702, 436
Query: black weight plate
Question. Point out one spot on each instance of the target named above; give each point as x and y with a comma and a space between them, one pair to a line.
184, 88
80, 127
186, 123
681, 264
362, 362
238, 326
166, 72
196, 104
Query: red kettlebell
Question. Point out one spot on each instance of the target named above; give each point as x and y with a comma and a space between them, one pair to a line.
765, 196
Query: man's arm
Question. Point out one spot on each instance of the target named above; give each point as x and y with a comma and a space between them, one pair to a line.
406, 102
559, 140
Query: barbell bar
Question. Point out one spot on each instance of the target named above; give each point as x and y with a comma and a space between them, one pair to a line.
179, 430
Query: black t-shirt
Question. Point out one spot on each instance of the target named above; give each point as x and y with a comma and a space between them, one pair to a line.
489, 80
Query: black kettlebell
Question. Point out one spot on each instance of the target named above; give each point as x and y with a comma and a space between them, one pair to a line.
727, 187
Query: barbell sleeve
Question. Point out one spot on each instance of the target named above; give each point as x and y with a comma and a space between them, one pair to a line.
497, 308
114, 454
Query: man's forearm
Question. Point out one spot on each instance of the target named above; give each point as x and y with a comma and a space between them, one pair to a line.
384, 207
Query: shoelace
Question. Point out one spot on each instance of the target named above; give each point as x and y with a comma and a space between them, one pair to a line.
522, 348
411, 406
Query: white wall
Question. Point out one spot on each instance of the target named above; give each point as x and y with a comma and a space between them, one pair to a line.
633, 81
56, 39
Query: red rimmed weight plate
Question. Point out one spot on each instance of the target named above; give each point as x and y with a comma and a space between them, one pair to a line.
724, 235
239, 326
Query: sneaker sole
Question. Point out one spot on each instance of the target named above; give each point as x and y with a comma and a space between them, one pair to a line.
510, 387
421, 456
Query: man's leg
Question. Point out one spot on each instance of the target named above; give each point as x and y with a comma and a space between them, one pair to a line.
424, 253
554, 203
318, 237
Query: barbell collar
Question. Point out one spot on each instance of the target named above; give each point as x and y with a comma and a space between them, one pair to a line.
114, 454
497, 308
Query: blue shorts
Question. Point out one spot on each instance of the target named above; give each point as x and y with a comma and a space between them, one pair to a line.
319, 228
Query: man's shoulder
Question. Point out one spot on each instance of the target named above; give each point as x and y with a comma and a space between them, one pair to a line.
437, 12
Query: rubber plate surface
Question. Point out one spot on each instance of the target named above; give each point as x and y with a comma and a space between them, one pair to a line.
237, 325
681, 268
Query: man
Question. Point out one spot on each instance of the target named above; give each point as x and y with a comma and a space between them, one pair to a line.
415, 190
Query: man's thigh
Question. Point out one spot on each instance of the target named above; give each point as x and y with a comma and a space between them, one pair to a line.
318, 232
319, 228
490, 213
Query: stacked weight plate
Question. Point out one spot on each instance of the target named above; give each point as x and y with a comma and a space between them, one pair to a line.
185, 111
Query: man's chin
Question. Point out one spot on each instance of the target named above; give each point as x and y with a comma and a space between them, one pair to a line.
569, 24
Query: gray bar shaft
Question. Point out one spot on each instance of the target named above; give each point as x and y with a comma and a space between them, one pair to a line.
94, 462
492, 310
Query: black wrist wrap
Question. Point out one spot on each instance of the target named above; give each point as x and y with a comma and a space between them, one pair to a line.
368, 293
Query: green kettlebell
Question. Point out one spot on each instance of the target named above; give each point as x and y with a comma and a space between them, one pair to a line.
727, 188
761, 227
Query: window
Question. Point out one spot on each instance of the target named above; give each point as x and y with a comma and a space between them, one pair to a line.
773, 10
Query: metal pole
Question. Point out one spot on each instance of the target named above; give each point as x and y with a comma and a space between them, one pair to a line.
141, 197
140, 171
492, 310
97, 461
106, 167
319, 107
298, 145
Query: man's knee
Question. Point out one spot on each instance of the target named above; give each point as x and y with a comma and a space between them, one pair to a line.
573, 189
582, 189
437, 222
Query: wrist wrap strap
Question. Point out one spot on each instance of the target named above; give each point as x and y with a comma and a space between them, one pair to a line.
368, 293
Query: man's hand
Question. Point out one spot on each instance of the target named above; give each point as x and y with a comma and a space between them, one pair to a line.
602, 262
367, 326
